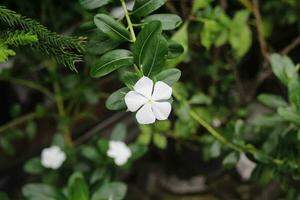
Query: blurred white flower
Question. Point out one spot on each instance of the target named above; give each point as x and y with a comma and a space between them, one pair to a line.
245, 167
150, 103
52, 157
216, 123
119, 151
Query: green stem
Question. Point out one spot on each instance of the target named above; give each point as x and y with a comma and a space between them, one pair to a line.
17, 121
130, 25
29, 84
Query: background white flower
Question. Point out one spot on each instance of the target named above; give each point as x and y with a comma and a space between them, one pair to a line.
53, 157
119, 151
150, 103
245, 167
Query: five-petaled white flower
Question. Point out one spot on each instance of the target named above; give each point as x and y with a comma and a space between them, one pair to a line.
53, 157
245, 167
119, 151
149, 102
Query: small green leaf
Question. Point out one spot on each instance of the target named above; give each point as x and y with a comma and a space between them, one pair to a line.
111, 27
289, 114
116, 100
119, 132
215, 149
160, 141
283, 68
174, 49
92, 4
36, 191
77, 187
150, 48
200, 98
230, 160
112, 61
143, 8
129, 78
169, 76
272, 101
168, 21
33, 166
90, 153
113, 190
144, 138
294, 93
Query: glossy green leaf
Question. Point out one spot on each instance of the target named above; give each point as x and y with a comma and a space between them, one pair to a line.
112, 61
113, 190
283, 68
100, 43
174, 49
272, 101
92, 4
150, 48
143, 8
168, 21
111, 27
181, 36
168, 76
90, 153
129, 78
289, 114
77, 187
116, 100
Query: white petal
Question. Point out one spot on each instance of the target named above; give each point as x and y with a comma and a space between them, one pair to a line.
161, 91
145, 115
134, 101
245, 167
161, 110
144, 86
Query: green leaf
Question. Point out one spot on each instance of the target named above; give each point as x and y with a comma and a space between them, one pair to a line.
129, 78
92, 4
271, 100
230, 160
150, 48
169, 76
90, 153
5, 53
199, 4
144, 138
31, 129
116, 100
143, 8
174, 49
240, 36
36, 191
77, 187
138, 150
289, 114
119, 132
112, 61
215, 149
100, 43
294, 93
111, 27
114, 190
200, 98
181, 36
160, 141
168, 21
283, 68
33, 166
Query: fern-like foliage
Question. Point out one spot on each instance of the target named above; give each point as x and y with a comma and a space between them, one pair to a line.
66, 50
18, 38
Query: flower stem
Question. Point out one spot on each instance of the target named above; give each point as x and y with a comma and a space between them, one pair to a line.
130, 25
18, 121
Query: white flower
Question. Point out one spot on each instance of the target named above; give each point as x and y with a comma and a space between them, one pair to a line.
53, 157
150, 103
119, 151
245, 167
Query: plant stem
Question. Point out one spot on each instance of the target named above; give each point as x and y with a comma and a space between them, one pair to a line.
17, 121
133, 38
